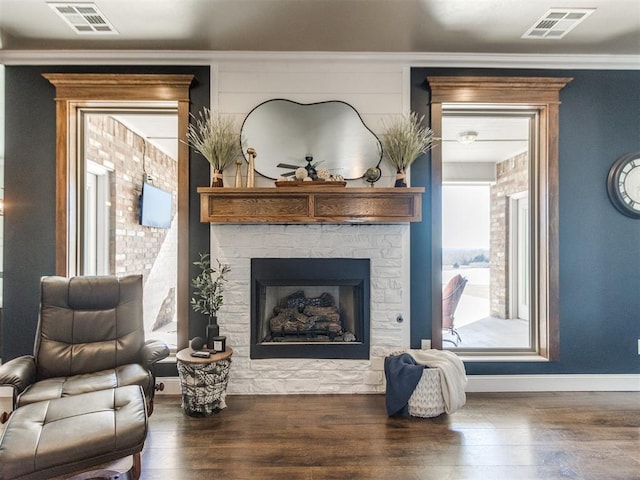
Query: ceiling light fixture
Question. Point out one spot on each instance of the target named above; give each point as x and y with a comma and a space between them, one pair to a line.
557, 22
83, 18
467, 137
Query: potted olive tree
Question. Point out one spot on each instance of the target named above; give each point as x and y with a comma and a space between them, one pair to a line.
208, 286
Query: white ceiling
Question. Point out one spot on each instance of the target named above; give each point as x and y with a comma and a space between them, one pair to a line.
480, 26
499, 138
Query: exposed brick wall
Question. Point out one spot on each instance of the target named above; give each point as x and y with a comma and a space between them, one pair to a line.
511, 178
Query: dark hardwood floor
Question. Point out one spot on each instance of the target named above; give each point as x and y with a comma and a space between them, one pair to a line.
514, 436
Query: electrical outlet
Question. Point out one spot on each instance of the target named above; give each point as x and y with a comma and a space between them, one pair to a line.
425, 344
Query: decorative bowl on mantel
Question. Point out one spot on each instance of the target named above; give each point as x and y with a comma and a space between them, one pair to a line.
313, 184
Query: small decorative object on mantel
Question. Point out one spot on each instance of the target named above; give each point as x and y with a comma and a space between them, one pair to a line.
309, 176
207, 297
373, 174
251, 169
215, 137
405, 140
284, 182
238, 182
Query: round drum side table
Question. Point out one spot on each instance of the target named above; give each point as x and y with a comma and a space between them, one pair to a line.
203, 381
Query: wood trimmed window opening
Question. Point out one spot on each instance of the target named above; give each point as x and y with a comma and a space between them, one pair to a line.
539, 97
76, 92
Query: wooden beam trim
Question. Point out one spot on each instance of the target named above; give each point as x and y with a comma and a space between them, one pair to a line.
120, 87
536, 90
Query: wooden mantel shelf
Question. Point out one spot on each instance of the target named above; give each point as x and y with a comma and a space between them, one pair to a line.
310, 205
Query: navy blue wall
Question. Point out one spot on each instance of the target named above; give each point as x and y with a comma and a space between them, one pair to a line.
29, 249
599, 247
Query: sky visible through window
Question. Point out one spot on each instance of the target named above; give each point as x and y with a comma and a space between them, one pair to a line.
465, 237
465, 216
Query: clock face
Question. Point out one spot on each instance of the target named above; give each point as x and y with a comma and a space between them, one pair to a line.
623, 184
630, 184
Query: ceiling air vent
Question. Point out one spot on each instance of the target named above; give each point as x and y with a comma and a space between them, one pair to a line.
83, 18
557, 22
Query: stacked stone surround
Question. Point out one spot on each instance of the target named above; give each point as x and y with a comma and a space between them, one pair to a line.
387, 248
511, 178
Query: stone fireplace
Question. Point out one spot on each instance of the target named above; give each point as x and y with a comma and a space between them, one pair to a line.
310, 308
384, 247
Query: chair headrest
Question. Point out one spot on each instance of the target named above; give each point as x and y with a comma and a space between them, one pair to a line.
91, 292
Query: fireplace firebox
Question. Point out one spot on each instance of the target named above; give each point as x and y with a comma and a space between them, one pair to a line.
310, 308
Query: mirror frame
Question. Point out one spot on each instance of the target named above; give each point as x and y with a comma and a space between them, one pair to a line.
306, 106
75, 91
541, 94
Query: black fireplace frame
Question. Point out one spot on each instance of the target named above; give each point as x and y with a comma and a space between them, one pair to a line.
355, 272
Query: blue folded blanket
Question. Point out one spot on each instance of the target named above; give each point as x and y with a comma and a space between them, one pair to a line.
402, 374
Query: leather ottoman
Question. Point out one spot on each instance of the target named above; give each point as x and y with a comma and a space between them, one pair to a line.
71, 434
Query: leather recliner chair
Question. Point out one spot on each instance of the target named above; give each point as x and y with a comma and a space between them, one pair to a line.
90, 337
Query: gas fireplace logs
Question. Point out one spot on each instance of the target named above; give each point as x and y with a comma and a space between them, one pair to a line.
299, 318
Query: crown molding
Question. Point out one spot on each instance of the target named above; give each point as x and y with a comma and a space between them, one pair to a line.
436, 59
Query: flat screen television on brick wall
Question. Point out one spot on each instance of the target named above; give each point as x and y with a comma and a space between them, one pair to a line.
155, 207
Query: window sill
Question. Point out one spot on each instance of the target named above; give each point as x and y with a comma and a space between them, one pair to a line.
489, 357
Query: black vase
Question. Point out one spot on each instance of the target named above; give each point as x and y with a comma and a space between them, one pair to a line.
213, 330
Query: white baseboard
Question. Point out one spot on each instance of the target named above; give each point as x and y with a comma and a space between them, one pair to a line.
554, 383
494, 383
518, 383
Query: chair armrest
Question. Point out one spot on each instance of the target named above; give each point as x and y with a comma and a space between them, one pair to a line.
153, 351
19, 373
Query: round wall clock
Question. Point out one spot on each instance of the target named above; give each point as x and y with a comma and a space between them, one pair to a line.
623, 184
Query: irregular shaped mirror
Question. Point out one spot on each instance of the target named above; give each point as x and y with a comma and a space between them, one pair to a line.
284, 132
